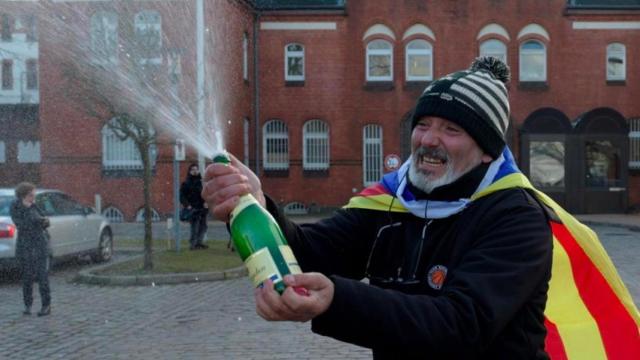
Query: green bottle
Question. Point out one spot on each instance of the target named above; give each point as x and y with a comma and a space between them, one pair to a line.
259, 241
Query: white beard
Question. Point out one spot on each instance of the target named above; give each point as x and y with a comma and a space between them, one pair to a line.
421, 180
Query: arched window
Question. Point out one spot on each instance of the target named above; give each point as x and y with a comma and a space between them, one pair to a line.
616, 62
495, 48
294, 62
315, 135
295, 208
379, 61
104, 37
155, 217
419, 61
119, 153
148, 28
533, 61
113, 214
275, 145
371, 154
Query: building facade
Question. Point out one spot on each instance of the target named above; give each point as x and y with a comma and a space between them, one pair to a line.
316, 96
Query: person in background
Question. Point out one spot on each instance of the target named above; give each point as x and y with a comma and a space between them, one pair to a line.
191, 199
32, 248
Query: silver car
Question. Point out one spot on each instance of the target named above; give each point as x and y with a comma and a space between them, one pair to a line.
75, 229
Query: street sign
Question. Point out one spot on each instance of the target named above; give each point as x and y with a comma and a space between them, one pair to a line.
179, 150
392, 162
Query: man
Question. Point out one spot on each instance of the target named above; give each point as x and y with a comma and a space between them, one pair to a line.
449, 278
191, 199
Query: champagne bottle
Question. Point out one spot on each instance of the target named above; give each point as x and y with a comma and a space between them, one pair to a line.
260, 241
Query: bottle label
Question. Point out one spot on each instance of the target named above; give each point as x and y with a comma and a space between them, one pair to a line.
290, 259
261, 267
245, 201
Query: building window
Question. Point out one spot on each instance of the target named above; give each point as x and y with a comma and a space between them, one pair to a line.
148, 25
533, 61
118, 154
32, 74
276, 145
494, 48
372, 154
245, 56
28, 152
3, 156
31, 28
616, 62
295, 208
634, 144
6, 27
246, 126
155, 217
294, 62
113, 214
315, 135
7, 74
379, 61
419, 61
546, 163
104, 37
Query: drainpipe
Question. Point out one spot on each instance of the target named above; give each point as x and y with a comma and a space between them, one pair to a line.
256, 84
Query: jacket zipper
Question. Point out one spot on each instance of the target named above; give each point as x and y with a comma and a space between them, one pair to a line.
419, 253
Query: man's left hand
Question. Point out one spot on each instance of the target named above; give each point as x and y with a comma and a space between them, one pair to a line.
292, 305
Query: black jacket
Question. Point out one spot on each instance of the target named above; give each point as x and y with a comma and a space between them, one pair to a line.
190, 192
497, 257
31, 226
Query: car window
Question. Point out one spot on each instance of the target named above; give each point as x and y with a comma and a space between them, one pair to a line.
65, 205
43, 201
5, 205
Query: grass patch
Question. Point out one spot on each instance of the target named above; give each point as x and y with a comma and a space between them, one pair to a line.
216, 258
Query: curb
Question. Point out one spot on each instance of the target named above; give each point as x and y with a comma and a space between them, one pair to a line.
612, 224
88, 276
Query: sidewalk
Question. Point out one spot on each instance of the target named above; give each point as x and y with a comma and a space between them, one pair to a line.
630, 221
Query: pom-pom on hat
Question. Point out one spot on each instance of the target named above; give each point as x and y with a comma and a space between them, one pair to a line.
476, 99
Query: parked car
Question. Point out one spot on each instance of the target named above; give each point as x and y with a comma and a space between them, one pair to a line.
75, 229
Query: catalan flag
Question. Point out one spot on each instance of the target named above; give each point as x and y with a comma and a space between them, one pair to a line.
590, 314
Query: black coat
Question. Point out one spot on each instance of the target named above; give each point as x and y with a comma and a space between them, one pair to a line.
31, 226
190, 192
497, 257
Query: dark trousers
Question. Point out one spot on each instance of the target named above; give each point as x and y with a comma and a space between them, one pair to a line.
34, 263
198, 227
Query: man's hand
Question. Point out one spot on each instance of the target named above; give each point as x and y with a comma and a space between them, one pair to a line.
291, 305
224, 184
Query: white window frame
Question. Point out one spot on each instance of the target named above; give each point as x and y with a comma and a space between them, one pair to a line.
372, 162
105, 48
150, 20
114, 214
245, 56
246, 126
409, 53
155, 217
379, 52
634, 143
619, 53
315, 157
495, 48
290, 54
278, 132
29, 152
533, 52
118, 154
3, 152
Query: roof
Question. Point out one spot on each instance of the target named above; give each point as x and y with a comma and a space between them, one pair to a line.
300, 4
604, 4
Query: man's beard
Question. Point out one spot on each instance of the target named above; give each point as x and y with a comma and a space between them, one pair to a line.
424, 180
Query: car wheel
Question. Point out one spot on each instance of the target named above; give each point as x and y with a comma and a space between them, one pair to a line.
105, 247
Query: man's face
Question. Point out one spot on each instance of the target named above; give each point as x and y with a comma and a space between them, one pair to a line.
441, 152
194, 170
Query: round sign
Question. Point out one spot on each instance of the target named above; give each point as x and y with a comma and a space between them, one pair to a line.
391, 162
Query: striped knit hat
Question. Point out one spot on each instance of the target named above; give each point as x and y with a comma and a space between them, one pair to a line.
476, 99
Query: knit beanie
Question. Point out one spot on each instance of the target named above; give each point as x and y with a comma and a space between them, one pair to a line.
476, 99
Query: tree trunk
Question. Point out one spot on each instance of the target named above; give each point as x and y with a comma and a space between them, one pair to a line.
146, 186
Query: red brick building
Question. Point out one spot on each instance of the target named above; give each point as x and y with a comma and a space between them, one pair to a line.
315, 95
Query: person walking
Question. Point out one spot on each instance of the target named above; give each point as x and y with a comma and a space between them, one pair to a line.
32, 250
191, 200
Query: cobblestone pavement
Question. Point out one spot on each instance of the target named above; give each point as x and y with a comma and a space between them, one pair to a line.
214, 320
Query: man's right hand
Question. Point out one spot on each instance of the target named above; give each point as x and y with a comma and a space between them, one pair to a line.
224, 184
